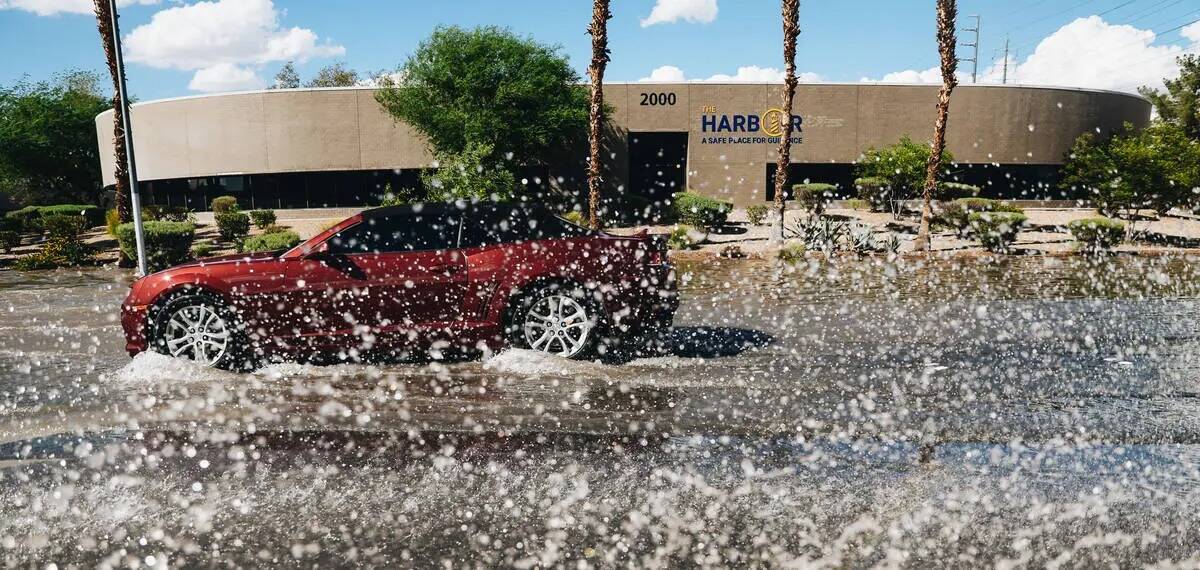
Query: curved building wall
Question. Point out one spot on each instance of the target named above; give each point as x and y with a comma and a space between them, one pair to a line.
713, 138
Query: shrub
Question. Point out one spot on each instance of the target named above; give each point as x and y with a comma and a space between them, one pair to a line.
202, 250
1097, 234
30, 216
224, 204
996, 230
173, 214
58, 226
814, 197
275, 229
757, 214
701, 211
957, 213
9, 240
167, 243
262, 218
956, 190
575, 217
233, 225
857, 204
792, 252
58, 252
682, 237
112, 219
876, 192
271, 242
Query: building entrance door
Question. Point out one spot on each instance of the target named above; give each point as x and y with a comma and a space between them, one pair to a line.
657, 164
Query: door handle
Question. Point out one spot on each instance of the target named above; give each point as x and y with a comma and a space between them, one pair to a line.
447, 267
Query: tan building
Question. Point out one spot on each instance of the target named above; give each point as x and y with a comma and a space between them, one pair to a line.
337, 147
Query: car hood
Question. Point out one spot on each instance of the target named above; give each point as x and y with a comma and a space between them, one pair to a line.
227, 259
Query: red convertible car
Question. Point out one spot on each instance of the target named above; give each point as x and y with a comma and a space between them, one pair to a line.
411, 278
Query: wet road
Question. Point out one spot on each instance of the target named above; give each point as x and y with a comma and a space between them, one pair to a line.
1033, 411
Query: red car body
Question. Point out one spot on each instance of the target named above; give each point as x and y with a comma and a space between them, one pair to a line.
313, 299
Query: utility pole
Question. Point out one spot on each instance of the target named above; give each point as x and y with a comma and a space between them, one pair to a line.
135, 196
975, 46
1005, 80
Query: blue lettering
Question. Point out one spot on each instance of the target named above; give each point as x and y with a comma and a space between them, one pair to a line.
796, 121
724, 125
739, 123
708, 123
752, 123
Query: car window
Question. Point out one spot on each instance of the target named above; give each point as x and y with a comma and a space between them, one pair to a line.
502, 223
398, 233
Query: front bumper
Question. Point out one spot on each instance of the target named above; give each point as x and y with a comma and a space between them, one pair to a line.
133, 322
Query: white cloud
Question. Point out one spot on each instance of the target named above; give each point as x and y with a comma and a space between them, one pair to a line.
225, 77
670, 11
745, 74
224, 39
1088, 53
55, 7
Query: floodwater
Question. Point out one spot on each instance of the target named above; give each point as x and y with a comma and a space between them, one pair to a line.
1025, 411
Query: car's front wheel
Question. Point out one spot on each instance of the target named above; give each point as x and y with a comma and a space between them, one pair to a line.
564, 321
198, 327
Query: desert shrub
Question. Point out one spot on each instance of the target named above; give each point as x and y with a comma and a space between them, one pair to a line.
275, 229
876, 192
821, 234
575, 217
956, 214
233, 225
222, 204
857, 204
167, 243
202, 250
682, 237
30, 216
996, 230
757, 214
173, 214
956, 190
813, 197
262, 218
792, 252
9, 240
1097, 234
112, 219
700, 211
58, 252
60, 226
270, 242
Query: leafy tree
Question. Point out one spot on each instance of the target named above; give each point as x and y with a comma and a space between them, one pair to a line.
1180, 105
901, 165
48, 149
500, 99
1156, 168
287, 78
335, 75
472, 173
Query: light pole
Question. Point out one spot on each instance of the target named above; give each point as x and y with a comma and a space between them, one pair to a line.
135, 199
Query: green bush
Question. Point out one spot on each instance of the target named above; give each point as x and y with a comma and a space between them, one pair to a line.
814, 197
58, 252
224, 204
956, 214
576, 217
792, 252
271, 242
857, 204
233, 226
877, 192
275, 229
9, 240
1097, 234
681, 237
112, 219
996, 230
202, 250
262, 218
166, 214
59, 226
701, 211
956, 190
757, 214
30, 216
167, 243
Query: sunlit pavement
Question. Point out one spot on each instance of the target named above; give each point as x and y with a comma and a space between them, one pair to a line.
846, 413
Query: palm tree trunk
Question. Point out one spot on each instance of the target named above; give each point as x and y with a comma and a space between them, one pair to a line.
104, 24
791, 28
600, 56
947, 15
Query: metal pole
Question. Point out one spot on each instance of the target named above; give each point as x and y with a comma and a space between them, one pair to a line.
135, 199
1005, 80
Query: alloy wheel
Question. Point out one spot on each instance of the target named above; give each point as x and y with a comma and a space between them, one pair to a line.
557, 324
197, 332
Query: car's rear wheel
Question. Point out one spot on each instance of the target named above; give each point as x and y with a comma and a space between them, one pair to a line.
559, 320
198, 327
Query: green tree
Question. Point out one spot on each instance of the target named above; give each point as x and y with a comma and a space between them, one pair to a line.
1180, 104
472, 173
902, 165
287, 78
1156, 168
335, 75
48, 149
508, 100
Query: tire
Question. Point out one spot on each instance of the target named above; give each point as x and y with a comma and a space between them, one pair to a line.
200, 327
559, 319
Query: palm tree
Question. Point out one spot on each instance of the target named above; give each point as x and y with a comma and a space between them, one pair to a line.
791, 28
104, 24
947, 15
600, 57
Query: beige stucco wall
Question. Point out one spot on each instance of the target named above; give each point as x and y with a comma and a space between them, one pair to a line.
345, 129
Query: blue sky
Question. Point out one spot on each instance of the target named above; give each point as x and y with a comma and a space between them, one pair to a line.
192, 47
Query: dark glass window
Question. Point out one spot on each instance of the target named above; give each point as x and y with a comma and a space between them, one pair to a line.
512, 223
398, 233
